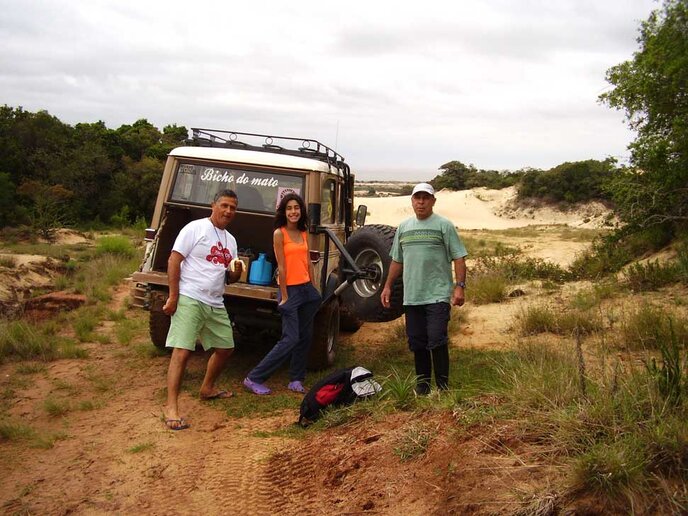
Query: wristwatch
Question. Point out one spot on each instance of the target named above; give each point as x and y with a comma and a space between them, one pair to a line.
461, 284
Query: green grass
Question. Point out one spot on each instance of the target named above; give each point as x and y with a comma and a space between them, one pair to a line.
31, 368
55, 407
53, 251
85, 322
95, 277
22, 340
63, 385
536, 319
70, 349
142, 447
515, 268
18, 432
644, 277
615, 436
102, 382
610, 468
118, 245
459, 318
649, 327
127, 329
488, 287
246, 405
399, 389
10, 262
88, 405
413, 443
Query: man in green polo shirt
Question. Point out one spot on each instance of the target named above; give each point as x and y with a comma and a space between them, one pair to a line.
425, 249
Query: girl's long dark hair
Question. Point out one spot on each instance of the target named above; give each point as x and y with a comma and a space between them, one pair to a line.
281, 215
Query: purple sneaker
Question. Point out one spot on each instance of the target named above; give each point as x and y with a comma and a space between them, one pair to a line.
296, 386
255, 387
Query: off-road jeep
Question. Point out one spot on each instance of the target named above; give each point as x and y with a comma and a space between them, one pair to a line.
351, 261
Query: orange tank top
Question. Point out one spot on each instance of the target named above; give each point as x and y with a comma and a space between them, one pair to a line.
296, 259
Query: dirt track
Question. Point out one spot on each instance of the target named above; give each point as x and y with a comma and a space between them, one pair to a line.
251, 465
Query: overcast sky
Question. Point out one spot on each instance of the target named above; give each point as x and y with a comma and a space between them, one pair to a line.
398, 88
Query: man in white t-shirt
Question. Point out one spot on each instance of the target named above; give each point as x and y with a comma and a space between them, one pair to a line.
201, 256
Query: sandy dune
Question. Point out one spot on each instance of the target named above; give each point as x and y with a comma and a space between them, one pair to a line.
481, 208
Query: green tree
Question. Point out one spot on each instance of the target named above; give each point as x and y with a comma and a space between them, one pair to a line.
652, 89
136, 186
8, 213
454, 176
49, 210
172, 136
569, 182
138, 138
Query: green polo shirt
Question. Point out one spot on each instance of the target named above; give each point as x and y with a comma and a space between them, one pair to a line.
427, 248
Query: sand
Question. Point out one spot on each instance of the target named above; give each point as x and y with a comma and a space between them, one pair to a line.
481, 208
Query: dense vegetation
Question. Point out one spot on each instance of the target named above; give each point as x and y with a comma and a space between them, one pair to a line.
457, 176
651, 89
52, 173
579, 181
569, 182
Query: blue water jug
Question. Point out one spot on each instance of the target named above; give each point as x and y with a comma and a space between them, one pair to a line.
261, 271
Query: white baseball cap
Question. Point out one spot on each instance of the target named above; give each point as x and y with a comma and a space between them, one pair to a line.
423, 187
362, 382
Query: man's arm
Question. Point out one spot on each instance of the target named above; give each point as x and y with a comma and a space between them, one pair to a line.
174, 267
459, 297
395, 269
234, 276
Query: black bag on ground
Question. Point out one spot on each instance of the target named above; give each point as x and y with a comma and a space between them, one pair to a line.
341, 387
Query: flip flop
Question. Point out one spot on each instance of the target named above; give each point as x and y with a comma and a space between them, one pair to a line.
176, 424
220, 395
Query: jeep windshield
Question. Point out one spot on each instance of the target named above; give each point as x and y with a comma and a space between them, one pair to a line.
258, 191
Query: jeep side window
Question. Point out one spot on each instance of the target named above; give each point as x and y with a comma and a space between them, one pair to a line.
257, 190
328, 202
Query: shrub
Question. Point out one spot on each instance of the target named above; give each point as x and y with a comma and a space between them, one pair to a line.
116, 245
514, 268
542, 319
650, 327
487, 288
650, 276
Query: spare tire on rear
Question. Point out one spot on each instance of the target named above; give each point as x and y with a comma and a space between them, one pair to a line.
369, 246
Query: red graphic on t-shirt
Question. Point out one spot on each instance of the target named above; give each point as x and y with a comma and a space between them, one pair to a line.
219, 254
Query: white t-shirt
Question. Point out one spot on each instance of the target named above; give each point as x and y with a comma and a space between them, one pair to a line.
207, 252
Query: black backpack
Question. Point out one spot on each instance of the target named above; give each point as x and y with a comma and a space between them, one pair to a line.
341, 387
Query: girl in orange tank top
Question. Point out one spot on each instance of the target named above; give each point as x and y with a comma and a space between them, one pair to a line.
298, 298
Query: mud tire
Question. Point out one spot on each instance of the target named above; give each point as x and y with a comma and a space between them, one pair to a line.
348, 321
370, 245
158, 326
325, 337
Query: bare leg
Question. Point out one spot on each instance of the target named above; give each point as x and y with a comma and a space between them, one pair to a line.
174, 381
215, 364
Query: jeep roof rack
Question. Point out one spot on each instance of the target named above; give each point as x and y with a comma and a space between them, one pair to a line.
302, 147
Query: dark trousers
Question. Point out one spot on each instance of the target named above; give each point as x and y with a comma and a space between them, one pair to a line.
426, 329
298, 313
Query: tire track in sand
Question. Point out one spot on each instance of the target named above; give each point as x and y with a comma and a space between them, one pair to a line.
219, 469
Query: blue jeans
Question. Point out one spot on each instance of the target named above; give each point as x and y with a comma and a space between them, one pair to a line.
298, 313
